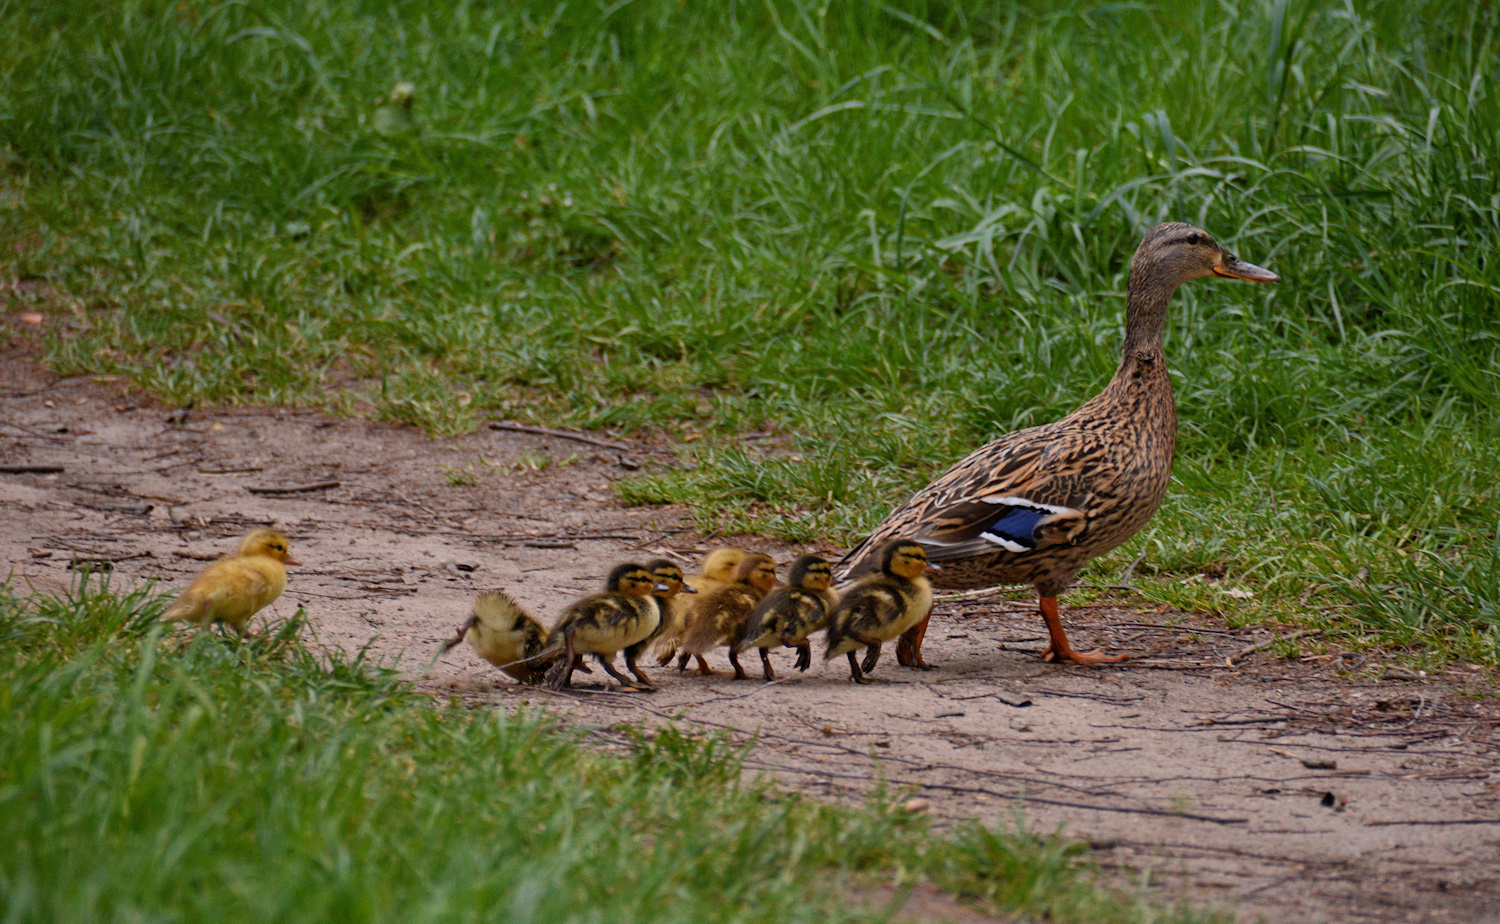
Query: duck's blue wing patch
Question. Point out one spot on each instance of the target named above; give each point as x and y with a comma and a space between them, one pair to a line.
1014, 528
980, 526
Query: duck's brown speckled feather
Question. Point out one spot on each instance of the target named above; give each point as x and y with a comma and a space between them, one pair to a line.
1108, 463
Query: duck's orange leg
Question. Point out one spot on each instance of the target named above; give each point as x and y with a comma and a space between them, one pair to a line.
909, 645
1060, 650
703, 668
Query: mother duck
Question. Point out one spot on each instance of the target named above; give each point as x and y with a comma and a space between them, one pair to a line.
1034, 506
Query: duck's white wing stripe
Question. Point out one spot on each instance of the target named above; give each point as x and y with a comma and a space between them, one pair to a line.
1004, 543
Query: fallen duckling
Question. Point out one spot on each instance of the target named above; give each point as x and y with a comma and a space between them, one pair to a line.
720, 618
790, 614
604, 623
880, 607
236, 587
504, 634
717, 572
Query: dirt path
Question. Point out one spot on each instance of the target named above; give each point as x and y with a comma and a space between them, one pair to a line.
1286, 788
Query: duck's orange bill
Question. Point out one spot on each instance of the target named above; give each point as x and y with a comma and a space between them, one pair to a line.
1235, 268
292, 561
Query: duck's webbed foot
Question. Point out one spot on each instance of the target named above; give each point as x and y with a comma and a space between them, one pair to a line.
804, 657
765, 665
1059, 649
609, 668
634, 668
872, 657
855, 674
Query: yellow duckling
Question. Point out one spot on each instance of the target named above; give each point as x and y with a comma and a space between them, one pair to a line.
504, 634
717, 571
792, 613
720, 618
236, 587
880, 607
601, 624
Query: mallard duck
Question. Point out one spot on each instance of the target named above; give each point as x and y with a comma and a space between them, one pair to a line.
1034, 506
671, 583
791, 613
880, 607
604, 623
717, 571
236, 587
720, 618
504, 634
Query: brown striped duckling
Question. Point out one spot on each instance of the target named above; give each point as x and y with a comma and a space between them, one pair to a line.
720, 618
791, 613
670, 584
717, 571
880, 607
236, 587
1034, 506
604, 623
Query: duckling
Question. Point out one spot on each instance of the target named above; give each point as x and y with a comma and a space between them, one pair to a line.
668, 575
792, 613
602, 624
236, 587
717, 571
880, 607
720, 618
504, 634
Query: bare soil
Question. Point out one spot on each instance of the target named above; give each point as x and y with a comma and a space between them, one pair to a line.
1314, 789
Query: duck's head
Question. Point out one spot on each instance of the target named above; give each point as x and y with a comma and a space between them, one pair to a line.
267, 542
904, 558
670, 576
1181, 251
757, 570
721, 562
811, 573
632, 579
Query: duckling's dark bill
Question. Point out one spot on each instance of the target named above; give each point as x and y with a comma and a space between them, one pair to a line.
1235, 268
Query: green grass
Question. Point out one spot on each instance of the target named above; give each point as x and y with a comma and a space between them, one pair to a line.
151, 775
886, 231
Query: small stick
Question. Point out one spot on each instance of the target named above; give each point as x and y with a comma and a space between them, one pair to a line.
30, 469
1438, 821
293, 488
560, 434
1262, 646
